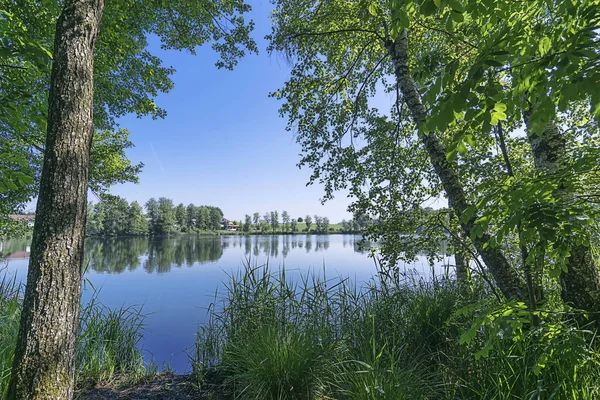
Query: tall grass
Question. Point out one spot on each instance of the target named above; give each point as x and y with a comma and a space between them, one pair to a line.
270, 336
107, 344
10, 312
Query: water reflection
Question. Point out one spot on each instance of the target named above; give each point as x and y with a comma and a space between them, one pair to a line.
176, 278
14, 248
160, 255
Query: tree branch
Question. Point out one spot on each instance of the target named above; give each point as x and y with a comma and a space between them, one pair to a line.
348, 30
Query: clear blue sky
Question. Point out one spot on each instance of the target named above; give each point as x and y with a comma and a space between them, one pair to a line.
223, 142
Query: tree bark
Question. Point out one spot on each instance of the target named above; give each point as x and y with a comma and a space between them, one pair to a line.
506, 277
581, 283
44, 363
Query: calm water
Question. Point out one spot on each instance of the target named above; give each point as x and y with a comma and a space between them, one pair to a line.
175, 279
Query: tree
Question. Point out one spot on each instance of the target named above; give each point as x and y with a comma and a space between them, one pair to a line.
181, 216
248, 224
308, 222
267, 220
457, 96
165, 219
216, 218
152, 212
44, 361
346, 226
285, 218
136, 221
95, 219
318, 223
274, 220
264, 226
203, 218
126, 81
294, 225
300, 220
45, 353
256, 220
325, 225
191, 211
116, 210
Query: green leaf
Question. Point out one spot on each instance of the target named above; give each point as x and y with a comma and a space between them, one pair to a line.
451, 156
428, 8
456, 6
470, 140
457, 16
544, 45
374, 9
500, 107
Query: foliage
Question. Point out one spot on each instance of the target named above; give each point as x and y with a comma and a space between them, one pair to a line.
165, 220
404, 102
391, 339
247, 224
285, 219
127, 78
107, 342
136, 221
308, 222
113, 216
10, 312
274, 220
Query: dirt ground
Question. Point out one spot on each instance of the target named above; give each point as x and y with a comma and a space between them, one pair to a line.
163, 387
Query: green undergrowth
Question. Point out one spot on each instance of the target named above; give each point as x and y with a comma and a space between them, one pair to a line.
272, 336
107, 346
10, 312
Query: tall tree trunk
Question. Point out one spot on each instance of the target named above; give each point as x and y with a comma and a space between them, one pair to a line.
44, 363
506, 277
581, 283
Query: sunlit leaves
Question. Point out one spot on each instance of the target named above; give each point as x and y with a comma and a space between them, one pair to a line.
480, 67
498, 113
127, 76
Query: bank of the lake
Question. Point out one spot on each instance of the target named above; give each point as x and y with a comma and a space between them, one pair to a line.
305, 333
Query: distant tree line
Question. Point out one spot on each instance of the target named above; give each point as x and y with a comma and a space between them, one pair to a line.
114, 216
270, 223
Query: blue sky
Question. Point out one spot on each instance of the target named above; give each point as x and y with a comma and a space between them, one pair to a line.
223, 142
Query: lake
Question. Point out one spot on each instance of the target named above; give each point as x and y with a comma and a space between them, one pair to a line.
176, 278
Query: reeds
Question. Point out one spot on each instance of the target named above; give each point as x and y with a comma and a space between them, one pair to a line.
10, 312
107, 344
271, 335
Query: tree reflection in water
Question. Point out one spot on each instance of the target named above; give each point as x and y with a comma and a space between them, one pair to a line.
161, 254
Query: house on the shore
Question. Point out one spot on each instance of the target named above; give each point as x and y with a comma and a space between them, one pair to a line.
26, 219
230, 225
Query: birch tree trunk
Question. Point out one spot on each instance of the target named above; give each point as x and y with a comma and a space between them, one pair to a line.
44, 363
581, 283
509, 282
